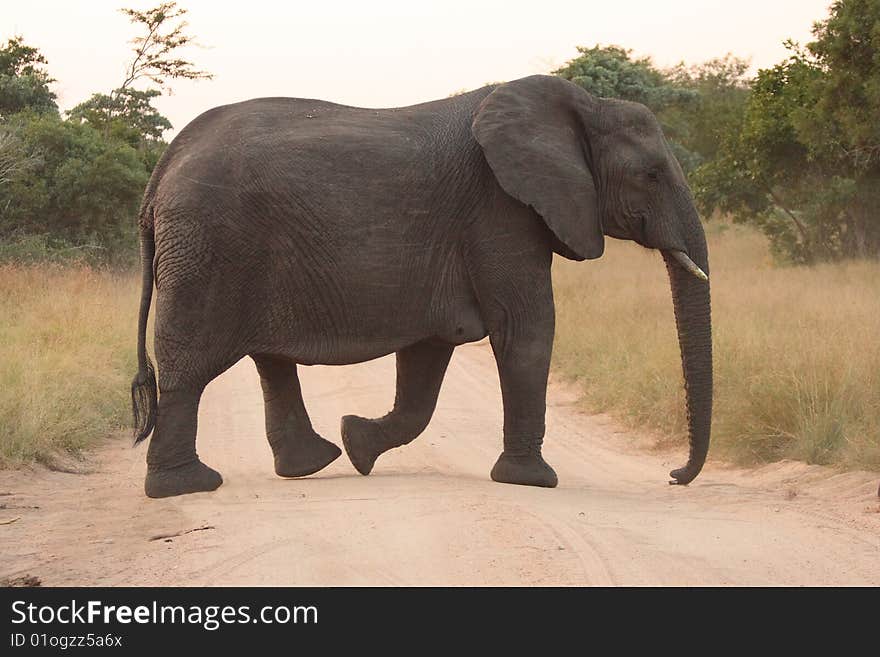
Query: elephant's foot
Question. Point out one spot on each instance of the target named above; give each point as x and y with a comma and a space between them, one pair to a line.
364, 442
192, 477
526, 470
304, 456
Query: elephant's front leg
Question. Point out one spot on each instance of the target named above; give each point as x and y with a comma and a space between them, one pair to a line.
420, 370
298, 450
522, 346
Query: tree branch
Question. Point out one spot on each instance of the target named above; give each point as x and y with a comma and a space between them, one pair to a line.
152, 53
797, 222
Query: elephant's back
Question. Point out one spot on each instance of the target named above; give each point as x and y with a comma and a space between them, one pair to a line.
254, 123
282, 151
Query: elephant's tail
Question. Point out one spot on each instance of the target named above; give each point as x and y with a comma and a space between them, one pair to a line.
144, 392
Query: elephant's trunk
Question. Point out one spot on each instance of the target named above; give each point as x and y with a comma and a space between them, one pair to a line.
690, 298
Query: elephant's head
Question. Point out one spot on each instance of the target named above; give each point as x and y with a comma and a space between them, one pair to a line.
592, 167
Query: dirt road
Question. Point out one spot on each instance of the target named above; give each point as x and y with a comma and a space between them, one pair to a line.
429, 513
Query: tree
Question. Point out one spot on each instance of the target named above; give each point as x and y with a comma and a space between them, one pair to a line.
763, 174
15, 161
83, 188
128, 116
154, 52
722, 91
24, 84
842, 126
609, 72
127, 112
804, 164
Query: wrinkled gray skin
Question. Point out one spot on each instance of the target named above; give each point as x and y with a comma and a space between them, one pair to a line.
302, 232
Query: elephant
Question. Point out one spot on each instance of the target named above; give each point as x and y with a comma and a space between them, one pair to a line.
301, 232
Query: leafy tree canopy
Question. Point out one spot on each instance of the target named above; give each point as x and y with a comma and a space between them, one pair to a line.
128, 114
24, 83
804, 162
610, 72
721, 87
847, 93
82, 188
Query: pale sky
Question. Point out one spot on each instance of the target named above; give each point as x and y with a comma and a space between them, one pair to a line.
387, 53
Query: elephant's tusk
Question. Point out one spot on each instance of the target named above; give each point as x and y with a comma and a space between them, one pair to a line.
689, 264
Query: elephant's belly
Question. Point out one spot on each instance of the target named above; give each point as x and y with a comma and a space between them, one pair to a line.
365, 333
344, 352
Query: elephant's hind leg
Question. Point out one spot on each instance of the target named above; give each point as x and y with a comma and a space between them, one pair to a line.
420, 371
173, 467
298, 450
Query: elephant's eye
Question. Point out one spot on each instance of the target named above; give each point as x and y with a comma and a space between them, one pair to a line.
653, 176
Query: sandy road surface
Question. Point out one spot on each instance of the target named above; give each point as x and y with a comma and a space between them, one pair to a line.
429, 513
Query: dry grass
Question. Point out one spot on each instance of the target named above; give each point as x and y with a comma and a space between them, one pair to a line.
797, 354
67, 355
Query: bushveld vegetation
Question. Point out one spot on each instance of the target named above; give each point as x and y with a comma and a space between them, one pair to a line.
71, 182
797, 360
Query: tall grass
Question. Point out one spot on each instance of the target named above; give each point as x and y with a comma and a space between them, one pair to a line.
67, 354
797, 350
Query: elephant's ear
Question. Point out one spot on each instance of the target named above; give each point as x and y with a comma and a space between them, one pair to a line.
533, 140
